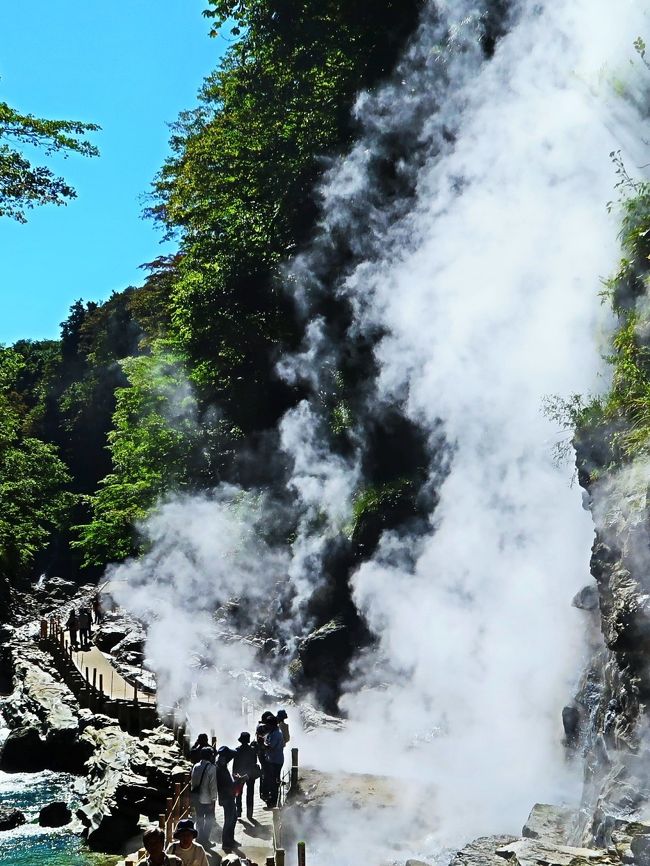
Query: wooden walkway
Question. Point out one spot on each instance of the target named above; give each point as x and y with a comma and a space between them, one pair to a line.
93, 664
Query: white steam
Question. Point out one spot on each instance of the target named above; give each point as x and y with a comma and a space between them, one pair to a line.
486, 292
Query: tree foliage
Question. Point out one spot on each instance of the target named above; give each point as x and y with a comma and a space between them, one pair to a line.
24, 185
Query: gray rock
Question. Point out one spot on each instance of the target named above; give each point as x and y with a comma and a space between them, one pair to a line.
10, 818
482, 852
551, 824
535, 852
56, 814
127, 778
586, 598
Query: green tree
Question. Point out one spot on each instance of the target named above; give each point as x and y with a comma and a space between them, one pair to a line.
24, 185
34, 500
154, 436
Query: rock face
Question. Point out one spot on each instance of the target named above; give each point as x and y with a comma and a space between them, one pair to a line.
55, 814
127, 778
10, 818
43, 715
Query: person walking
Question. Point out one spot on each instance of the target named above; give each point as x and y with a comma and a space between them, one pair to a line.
84, 627
73, 627
260, 732
274, 757
97, 609
188, 851
226, 792
153, 841
245, 767
283, 725
203, 785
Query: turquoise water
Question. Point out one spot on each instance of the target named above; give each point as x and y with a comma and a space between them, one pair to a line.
31, 845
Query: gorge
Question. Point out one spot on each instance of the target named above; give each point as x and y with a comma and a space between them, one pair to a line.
336, 479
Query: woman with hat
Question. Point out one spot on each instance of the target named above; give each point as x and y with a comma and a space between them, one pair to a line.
189, 852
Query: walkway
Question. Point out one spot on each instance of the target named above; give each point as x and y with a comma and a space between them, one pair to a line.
114, 685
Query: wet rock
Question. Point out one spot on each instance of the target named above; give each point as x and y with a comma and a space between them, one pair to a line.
56, 814
43, 715
552, 824
10, 818
127, 778
482, 852
328, 646
23, 751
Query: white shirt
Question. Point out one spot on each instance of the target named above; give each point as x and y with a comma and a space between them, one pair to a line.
193, 856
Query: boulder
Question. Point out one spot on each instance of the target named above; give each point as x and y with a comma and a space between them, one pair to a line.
43, 715
482, 852
10, 818
23, 751
535, 852
551, 824
586, 598
640, 847
127, 778
56, 814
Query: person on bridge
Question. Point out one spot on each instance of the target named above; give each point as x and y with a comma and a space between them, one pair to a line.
274, 757
245, 767
260, 732
226, 789
281, 716
201, 743
186, 849
203, 785
85, 627
153, 840
73, 626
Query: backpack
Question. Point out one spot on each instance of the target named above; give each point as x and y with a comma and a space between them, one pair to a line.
195, 791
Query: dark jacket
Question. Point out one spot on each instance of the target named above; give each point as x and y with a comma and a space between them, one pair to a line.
245, 761
225, 784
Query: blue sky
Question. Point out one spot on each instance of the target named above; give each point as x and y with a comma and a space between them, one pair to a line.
131, 66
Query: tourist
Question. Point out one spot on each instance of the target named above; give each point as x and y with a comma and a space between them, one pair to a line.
97, 609
154, 844
186, 849
201, 743
73, 626
203, 785
226, 790
84, 627
245, 767
283, 725
260, 732
274, 757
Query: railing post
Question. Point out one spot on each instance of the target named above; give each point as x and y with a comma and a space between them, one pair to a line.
161, 821
43, 629
277, 828
177, 801
279, 857
302, 854
270, 861
294, 768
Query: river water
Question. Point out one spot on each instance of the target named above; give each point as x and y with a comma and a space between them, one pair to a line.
32, 845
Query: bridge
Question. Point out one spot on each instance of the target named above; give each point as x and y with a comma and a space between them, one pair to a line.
96, 683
